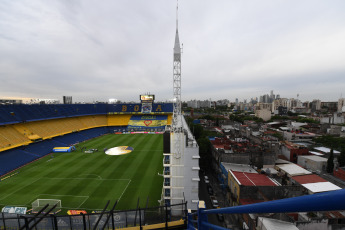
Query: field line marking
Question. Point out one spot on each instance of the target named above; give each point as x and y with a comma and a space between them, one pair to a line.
77, 178
99, 177
83, 202
144, 150
124, 190
20, 189
60, 195
16, 205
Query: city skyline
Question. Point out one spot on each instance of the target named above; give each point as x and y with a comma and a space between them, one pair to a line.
123, 49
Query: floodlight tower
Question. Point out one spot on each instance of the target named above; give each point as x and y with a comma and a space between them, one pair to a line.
177, 121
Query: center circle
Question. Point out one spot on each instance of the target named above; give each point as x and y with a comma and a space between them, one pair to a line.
120, 150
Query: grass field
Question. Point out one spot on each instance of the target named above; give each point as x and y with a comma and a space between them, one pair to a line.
87, 181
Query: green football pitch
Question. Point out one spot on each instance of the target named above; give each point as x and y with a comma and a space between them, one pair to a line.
86, 181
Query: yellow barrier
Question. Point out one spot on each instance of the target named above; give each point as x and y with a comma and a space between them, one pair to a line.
157, 226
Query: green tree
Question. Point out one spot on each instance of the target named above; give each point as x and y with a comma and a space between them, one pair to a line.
197, 130
330, 163
208, 117
341, 158
205, 149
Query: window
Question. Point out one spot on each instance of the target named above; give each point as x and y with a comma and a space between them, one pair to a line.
166, 170
167, 192
167, 202
166, 159
166, 181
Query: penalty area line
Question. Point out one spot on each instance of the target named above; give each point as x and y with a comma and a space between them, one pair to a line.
124, 190
3, 198
83, 202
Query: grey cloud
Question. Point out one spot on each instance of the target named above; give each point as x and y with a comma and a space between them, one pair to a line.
120, 49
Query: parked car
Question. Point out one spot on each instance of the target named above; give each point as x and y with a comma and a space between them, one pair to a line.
214, 202
209, 190
220, 217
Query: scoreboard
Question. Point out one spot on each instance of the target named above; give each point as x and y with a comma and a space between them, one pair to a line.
146, 102
147, 98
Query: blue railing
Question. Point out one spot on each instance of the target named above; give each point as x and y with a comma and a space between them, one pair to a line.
327, 201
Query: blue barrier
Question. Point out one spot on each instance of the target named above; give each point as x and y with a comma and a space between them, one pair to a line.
327, 201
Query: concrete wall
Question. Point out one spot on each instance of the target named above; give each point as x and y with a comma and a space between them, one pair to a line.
312, 164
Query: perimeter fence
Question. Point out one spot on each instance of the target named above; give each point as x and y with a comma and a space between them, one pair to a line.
112, 219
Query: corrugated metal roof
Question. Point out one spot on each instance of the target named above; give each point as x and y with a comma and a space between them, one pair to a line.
270, 170
316, 153
273, 224
314, 158
307, 179
326, 150
253, 179
238, 167
293, 169
219, 146
281, 161
321, 187
250, 201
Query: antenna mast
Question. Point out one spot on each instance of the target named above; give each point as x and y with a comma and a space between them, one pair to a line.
177, 121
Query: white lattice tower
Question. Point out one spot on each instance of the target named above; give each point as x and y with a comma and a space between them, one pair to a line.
177, 122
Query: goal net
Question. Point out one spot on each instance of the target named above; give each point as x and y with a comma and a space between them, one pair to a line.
38, 204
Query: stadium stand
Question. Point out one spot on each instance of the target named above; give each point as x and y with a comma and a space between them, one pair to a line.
93, 121
118, 120
28, 132
10, 114
147, 122
13, 159
10, 137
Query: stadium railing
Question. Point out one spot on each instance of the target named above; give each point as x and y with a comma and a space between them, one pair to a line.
327, 201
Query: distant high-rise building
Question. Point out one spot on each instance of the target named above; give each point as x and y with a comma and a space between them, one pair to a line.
341, 105
315, 105
67, 99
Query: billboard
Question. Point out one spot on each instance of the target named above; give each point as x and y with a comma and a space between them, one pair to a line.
147, 98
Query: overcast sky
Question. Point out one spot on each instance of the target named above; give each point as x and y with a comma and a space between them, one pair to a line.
96, 50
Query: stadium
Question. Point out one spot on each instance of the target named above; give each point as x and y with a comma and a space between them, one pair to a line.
81, 155
75, 159
112, 166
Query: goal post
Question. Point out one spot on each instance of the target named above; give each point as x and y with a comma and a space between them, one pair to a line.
38, 204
